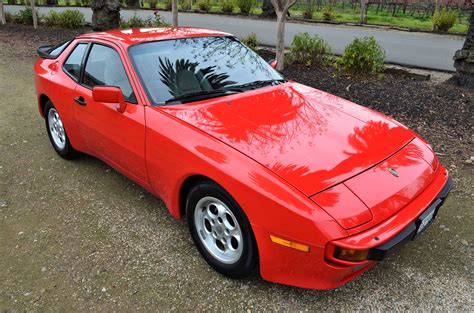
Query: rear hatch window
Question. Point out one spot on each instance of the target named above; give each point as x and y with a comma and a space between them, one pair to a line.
52, 51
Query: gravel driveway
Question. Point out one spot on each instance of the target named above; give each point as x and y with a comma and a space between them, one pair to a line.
76, 235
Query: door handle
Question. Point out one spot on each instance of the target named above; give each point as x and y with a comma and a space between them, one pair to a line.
80, 101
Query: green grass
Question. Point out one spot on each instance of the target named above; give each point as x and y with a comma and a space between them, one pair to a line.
342, 14
383, 18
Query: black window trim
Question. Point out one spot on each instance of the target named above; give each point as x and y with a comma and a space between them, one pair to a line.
84, 63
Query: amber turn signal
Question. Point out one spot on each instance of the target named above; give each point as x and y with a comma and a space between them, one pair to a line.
351, 255
290, 244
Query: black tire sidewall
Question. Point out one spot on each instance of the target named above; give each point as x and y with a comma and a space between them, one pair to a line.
68, 151
247, 264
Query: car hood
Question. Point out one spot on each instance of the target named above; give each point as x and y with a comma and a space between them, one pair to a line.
308, 137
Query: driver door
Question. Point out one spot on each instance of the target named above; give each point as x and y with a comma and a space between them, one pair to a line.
117, 138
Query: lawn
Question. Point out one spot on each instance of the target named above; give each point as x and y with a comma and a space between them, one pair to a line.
340, 13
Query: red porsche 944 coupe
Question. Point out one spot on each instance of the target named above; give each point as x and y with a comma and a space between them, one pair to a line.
273, 177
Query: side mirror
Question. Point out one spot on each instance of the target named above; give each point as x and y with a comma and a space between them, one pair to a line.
273, 63
109, 94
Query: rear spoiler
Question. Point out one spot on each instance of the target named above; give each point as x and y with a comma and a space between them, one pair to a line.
44, 51
52, 51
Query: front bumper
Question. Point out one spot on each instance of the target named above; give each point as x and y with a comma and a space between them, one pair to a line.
317, 269
413, 229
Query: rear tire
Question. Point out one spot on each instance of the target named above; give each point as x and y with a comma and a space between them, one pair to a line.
57, 133
221, 231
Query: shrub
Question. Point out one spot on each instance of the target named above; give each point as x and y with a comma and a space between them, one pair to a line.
186, 5
244, 5
309, 50
134, 22
444, 20
168, 5
51, 19
9, 17
67, 19
24, 16
227, 6
137, 22
250, 41
363, 55
204, 5
308, 11
328, 14
71, 19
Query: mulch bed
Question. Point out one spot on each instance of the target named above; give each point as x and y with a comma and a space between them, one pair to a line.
441, 113
24, 40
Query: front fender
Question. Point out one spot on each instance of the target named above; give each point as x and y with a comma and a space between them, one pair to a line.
177, 150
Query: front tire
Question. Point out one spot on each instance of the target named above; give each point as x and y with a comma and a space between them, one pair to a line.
221, 231
57, 133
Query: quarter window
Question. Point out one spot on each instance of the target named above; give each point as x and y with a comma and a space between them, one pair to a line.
73, 63
55, 51
104, 68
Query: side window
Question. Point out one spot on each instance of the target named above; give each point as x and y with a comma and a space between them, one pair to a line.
104, 68
74, 61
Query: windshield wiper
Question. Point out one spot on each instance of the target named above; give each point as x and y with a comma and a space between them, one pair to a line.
200, 95
256, 84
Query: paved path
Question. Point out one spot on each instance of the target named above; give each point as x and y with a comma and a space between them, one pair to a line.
413, 49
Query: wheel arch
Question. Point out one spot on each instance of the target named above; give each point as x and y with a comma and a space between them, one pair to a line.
42, 100
186, 186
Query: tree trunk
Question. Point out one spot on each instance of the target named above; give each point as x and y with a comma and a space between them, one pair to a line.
105, 14
174, 11
362, 11
436, 5
280, 45
281, 8
267, 9
33, 11
3, 21
464, 59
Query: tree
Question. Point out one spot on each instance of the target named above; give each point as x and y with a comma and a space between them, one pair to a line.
174, 11
363, 4
3, 21
106, 14
281, 10
33, 12
464, 59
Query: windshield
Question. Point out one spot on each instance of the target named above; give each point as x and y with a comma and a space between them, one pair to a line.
190, 69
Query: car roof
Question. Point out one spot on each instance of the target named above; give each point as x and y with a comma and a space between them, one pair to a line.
133, 36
